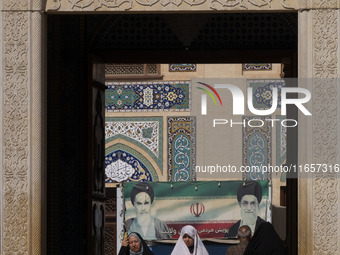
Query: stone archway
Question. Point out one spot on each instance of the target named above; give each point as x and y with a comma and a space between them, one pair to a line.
23, 139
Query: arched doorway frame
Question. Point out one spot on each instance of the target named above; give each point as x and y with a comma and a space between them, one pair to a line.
264, 56
23, 69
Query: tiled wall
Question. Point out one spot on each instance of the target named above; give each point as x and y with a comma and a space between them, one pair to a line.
150, 135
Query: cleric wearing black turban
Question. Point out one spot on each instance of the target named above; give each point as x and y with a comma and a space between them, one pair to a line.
149, 227
249, 196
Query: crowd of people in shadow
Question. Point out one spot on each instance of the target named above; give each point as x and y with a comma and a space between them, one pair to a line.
265, 241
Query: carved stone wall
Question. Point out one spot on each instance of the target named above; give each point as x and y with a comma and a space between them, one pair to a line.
22, 122
169, 5
325, 129
12, 5
319, 135
37, 124
15, 167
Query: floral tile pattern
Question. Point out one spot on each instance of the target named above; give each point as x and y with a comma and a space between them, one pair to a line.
256, 146
144, 132
148, 96
181, 148
262, 92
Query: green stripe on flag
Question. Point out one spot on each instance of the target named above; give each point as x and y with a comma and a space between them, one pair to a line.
163, 190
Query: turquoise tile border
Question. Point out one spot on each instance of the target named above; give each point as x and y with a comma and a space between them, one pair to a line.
256, 147
181, 148
281, 146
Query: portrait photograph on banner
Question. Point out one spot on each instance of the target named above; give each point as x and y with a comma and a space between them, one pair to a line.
159, 210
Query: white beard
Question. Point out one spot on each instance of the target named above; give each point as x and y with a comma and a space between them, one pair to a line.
144, 220
249, 219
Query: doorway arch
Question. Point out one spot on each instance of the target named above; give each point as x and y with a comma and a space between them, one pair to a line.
102, 35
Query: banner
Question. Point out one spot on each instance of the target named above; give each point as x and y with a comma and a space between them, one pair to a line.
159, 210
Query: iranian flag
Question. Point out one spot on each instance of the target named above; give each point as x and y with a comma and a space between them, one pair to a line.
211, 207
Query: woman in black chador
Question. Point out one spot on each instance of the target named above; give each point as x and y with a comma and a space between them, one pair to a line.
134, 244
265, 242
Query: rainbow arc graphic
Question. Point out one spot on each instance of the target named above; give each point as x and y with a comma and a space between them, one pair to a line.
209, 93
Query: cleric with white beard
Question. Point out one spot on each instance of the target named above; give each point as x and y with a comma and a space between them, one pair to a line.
249, 196
150, 228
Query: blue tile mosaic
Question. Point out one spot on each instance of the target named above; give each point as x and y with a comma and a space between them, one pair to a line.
281, 142
256, 146
181, 148
281, 147
123, 163
144, 96
262, 92
144, 132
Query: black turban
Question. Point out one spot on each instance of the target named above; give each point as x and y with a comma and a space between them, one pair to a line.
249, 188
141, 187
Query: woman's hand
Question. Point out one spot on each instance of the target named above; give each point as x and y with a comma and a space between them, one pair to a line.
125, 242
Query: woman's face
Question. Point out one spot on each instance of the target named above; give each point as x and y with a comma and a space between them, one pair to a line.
188, 240
134, 244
